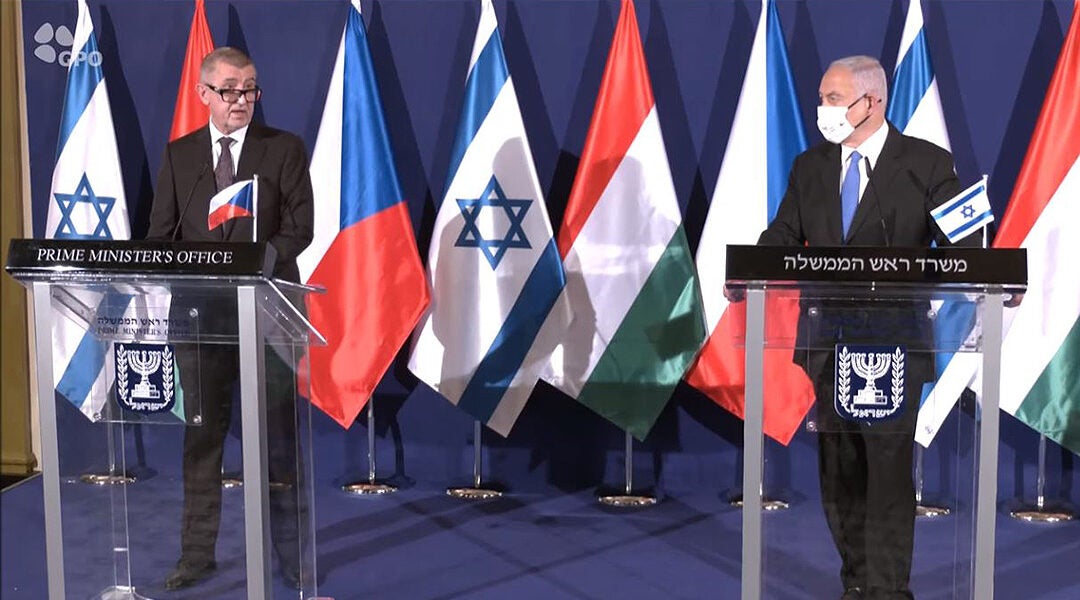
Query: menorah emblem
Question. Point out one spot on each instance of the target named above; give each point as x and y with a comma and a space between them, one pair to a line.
871, 363
870, 366
144, 363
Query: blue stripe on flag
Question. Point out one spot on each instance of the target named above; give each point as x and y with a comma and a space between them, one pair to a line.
913, 79
369, 179
952, 205
486, 80
785, 136
974, 223
518, 333
955, 320
243, 198
89, 358
83, 78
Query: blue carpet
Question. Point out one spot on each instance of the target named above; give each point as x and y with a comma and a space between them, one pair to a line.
419, 543
547, 538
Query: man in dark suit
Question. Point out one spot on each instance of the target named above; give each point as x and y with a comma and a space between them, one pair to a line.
867, 185
195, 167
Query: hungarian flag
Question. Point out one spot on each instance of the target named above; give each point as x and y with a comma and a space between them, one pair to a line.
1040, 353
765, 137
636, 309
1040, 362
191, 113
364, 251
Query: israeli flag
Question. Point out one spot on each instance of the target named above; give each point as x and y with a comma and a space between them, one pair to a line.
493, 264
965, 214
915, 105
86, 201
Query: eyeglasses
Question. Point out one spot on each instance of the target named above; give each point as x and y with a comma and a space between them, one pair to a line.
233, 96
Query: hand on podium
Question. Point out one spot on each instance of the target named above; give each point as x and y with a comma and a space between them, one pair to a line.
1013, 300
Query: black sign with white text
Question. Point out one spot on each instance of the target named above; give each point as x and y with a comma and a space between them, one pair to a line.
933, 266
130, 257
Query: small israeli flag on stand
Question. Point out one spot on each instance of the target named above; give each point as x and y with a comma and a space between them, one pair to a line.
965, 214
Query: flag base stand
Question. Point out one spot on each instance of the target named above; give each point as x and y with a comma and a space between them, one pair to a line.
767, 504
477, 491
368, 488
1036, 514
627, 500
931, 511
231, 481
119, 592
923, 510
371, 487
1041, 513
107, 478
473, 493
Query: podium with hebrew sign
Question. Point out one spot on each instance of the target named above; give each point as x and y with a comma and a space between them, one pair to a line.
122, 330
874, 327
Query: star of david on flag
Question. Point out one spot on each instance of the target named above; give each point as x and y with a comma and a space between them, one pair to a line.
100, 206
472, 233
88, 202
965, 213
480, 344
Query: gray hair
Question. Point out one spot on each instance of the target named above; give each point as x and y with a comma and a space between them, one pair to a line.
225, 54
867, 74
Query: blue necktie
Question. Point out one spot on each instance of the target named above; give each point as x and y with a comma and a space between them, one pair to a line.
849, 192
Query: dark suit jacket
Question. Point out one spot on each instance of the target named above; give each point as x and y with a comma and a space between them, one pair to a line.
910, 177
185, 185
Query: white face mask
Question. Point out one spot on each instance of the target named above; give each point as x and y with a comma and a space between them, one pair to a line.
833, 124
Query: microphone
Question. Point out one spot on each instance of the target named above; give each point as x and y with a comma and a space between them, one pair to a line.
927, 202
922, 186
187, 202
870, 186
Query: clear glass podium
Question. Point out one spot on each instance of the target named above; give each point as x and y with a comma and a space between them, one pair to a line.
138, 346
870, 327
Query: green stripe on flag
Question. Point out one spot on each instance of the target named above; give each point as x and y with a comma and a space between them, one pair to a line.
1052, 407
655, 344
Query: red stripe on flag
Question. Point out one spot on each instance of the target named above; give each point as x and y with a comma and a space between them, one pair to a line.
624, 100
720, 372
1054, 148
376, 292
226, 212
190, 113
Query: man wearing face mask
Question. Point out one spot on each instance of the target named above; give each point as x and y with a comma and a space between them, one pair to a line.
867, 185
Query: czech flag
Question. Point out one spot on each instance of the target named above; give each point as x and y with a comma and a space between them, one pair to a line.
237, 200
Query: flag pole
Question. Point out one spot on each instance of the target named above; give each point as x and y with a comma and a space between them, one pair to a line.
114, 475
628, 498
254, 208
923, 509
768, 503
371, 486
477, 491
1040, 513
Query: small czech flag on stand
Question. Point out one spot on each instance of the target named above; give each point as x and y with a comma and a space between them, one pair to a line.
237, 200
